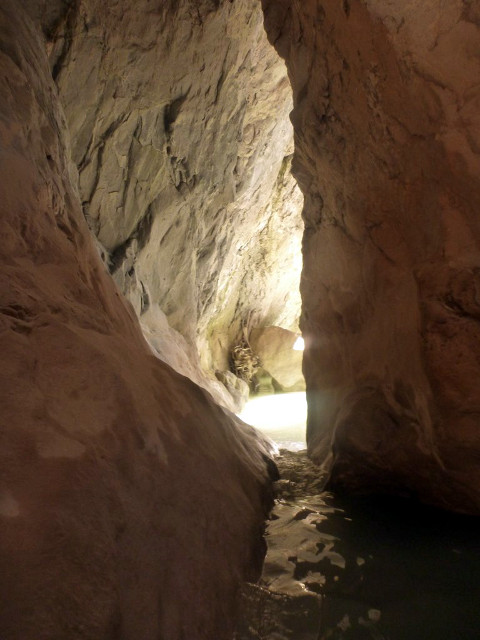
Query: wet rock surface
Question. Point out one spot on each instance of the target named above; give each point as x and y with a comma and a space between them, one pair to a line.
369, 569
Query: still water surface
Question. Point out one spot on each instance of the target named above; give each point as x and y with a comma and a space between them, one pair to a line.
344, 568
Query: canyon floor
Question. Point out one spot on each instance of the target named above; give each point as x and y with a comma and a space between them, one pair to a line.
361, 569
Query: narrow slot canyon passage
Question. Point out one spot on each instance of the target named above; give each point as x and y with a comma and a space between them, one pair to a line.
281, 417
239, 320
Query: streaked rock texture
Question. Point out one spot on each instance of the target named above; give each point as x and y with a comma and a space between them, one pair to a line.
178, 116
131, 506
387, 133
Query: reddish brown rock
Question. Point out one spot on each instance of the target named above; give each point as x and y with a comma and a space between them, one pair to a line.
130, 504
387, 134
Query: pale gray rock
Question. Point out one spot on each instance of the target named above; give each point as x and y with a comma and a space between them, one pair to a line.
274, 346
178, 117
171, 347
236, 387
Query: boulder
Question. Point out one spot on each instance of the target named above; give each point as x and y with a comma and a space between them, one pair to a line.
274, 346
387, 139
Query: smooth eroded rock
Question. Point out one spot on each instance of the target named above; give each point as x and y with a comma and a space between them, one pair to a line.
131, 505
387, 139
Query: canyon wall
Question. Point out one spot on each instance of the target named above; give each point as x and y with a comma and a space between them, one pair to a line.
387, 143
178, 117
131, 506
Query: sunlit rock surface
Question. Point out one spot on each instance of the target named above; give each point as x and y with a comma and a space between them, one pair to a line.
131, 506
275, 348
171, 347
387, 133
178, 118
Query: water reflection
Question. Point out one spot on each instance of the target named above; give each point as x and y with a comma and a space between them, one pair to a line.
372, 568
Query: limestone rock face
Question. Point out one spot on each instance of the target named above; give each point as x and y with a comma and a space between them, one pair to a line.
178, 117
274, 346
237, 388
171, 347
131, 505
387, 143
